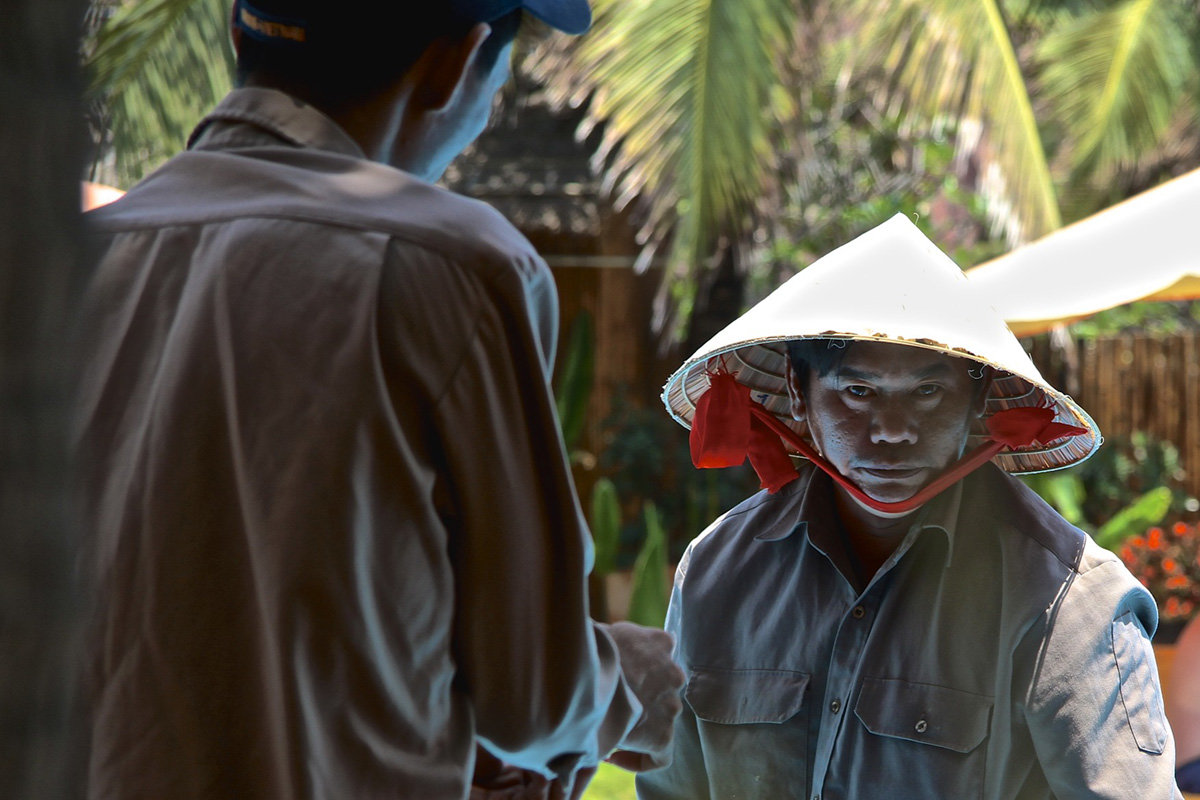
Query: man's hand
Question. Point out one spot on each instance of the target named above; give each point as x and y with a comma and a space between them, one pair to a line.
656, 681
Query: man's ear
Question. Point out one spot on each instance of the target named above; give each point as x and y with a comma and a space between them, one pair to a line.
447, 65
795, 392
235, 30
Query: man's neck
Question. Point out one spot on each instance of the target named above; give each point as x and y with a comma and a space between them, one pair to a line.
872, 538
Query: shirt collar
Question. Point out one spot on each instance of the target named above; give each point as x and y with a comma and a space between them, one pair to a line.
254, 117
814, 505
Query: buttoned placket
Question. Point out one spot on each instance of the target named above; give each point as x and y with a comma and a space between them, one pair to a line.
845, 664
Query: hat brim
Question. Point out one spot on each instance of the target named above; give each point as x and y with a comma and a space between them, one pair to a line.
889, 285
569, 16
761, 366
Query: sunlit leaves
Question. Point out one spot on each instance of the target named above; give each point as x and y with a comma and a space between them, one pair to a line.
157, 66
685, 88
1115, 80
958, 59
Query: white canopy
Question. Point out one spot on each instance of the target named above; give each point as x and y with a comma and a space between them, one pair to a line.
1145, 248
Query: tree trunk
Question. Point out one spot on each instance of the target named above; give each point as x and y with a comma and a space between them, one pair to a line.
41, 142
719, 299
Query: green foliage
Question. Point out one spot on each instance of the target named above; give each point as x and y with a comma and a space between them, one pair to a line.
1149, 509
611, 783
647, 456
1114, 80
651, 592
958, 60
573, 384
1063, 490
856, 177
606, 525
687, 89
1124, 469
1126, 487
1163, 318
156, 67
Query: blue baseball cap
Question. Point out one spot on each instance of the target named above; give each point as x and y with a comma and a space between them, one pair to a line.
568, 16
298, 22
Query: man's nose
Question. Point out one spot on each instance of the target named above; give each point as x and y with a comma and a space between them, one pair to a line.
893, 423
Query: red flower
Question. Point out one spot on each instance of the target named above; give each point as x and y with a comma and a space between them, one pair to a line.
1154, 538
1167, 561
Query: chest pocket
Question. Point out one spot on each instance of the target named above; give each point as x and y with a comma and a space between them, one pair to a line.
924, 713
755, 719
745, 696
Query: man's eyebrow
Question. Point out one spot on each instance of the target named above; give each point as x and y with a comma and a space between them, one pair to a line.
936, 370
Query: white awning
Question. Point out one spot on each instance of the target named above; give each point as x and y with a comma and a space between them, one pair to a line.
1145, 248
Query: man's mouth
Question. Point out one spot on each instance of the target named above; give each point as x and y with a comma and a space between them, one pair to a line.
892, 473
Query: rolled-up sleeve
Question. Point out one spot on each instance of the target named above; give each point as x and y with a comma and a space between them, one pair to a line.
544, 682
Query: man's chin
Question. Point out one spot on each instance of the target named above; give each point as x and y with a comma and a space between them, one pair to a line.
892, 491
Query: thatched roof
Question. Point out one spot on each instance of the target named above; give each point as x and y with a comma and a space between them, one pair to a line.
530, 165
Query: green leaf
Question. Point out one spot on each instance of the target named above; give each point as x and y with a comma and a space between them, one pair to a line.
1147, 510
158, 66
1064, 491
574, 384
651, 592
687, 90
957, 60
606, 525
1114, 79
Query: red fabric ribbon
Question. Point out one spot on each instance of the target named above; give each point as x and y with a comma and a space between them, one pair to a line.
729, 426
725, 431
1020, 427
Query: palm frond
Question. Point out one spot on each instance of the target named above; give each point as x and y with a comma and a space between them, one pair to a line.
158, 66
685, 90
1115, 80
957, 61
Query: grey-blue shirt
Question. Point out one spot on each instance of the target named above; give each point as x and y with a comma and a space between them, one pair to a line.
999, 653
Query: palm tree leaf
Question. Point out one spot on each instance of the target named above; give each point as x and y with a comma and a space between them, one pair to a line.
685, 89
957, 60
158, 66
1114, 79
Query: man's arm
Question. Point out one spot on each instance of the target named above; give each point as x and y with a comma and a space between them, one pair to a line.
545, 682
1094, 705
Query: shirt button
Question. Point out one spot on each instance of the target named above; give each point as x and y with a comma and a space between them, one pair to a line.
835, 706
922, 726
859, 612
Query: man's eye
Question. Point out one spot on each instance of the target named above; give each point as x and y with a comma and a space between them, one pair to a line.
857, 391
928, 389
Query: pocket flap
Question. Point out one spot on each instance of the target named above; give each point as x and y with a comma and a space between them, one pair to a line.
742, 696
921, 712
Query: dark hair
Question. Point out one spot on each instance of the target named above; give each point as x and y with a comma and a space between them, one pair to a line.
348, 61
821, 356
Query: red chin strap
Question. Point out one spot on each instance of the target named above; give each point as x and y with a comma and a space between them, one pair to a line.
729, 427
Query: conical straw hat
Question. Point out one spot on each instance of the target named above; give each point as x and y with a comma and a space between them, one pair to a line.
890, 284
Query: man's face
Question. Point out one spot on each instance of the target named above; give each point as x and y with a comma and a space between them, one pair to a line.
890, 417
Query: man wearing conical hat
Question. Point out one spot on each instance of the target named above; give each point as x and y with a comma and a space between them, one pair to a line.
895, 616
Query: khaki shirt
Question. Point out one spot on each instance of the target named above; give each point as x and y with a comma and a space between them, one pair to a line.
336, 539
998, 654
